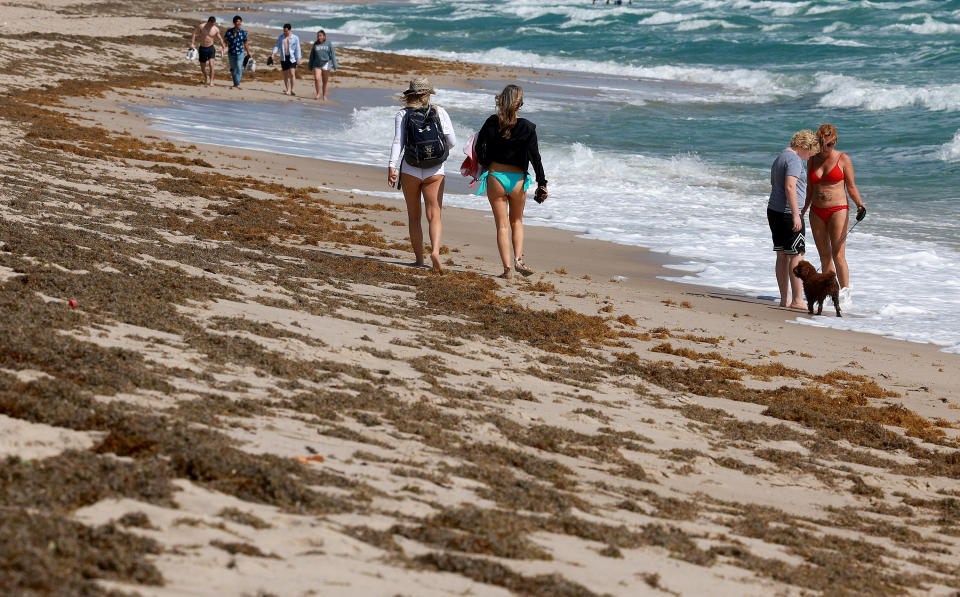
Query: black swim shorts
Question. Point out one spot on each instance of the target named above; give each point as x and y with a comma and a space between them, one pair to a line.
207, 53
288, 64
784, 238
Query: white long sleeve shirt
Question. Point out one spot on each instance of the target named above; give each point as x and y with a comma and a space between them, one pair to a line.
399, 136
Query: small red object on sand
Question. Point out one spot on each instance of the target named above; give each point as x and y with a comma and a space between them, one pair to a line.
308, 459
73, 304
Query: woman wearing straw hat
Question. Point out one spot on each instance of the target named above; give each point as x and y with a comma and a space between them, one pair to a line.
505, 146
424, 133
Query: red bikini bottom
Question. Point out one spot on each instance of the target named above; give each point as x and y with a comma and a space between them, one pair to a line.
824, 213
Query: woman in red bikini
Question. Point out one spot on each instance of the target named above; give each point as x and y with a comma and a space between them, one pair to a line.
829, 181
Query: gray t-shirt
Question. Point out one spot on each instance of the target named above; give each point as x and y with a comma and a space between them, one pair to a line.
787, 164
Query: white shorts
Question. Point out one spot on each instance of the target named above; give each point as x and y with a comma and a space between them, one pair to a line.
328, 65
421, 173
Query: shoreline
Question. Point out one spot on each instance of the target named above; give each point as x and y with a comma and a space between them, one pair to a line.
651, 258
562, 249
220, 361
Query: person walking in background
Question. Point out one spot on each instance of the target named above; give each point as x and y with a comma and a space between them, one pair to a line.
288, 47
830, 180
237, 47
788, 183
207, 53
505, 146
425, 135
322, 60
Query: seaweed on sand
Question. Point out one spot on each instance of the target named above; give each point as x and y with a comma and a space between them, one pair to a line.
493, 573
46, 554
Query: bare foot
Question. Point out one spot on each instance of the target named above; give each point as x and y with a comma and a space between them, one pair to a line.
437, 267
285, 92
316, 97
798, 306
507, 274
324, 98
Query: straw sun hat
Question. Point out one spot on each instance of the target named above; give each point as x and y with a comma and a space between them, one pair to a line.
418, 86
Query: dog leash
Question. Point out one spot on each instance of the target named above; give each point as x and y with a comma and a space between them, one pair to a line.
861, 213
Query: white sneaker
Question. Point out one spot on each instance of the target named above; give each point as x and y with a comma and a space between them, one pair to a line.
846, 298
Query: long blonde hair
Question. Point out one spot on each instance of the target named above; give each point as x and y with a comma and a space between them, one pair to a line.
508, 104
421, 100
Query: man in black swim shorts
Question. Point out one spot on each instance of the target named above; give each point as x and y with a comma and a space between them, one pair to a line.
207, 52
288, 46
788, 188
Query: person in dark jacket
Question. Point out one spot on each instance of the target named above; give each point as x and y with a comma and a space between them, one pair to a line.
505, 146
322, 60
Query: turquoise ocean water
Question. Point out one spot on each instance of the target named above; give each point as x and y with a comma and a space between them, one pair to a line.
661, 128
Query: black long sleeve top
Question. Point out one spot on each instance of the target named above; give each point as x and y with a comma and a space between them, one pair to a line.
519, 150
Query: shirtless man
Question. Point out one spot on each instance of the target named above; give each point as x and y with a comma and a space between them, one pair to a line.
207, 53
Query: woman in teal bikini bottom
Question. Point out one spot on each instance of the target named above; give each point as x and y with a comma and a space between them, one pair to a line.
506, 145
508, 180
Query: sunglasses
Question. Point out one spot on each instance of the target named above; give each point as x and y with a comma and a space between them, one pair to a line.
830, 144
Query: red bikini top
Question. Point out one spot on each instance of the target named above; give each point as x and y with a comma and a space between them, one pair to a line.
834, 175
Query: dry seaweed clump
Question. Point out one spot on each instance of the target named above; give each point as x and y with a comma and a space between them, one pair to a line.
474, 296
831, 411
473, 530
493, 573
45, 554
81, 479
244, 518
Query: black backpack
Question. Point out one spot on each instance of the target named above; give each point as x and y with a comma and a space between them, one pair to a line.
424, 145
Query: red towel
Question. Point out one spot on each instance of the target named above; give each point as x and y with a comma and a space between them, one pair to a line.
470, 166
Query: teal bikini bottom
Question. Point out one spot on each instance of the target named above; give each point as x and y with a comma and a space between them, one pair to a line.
509, 180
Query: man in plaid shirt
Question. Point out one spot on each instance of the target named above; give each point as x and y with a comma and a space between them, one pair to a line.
236, 39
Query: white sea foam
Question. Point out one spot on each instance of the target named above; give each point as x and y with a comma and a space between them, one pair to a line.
542, 31
747, 6
842, 91
950, 151
930, 26
738, 85
373, 32
826, 40
665, 18
697, 24
827, 8
836, 26
780, 9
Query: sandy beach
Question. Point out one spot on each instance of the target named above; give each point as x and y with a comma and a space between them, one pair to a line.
219, 376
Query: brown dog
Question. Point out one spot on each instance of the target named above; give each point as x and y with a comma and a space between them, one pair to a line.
817, 287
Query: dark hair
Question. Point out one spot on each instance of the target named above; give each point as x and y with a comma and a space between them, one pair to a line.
287, 26
237, 18
212, 19
323, 32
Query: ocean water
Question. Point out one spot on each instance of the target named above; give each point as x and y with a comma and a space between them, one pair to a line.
659, 122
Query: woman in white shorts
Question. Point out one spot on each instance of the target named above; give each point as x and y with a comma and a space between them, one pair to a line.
322, 61
416, 181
